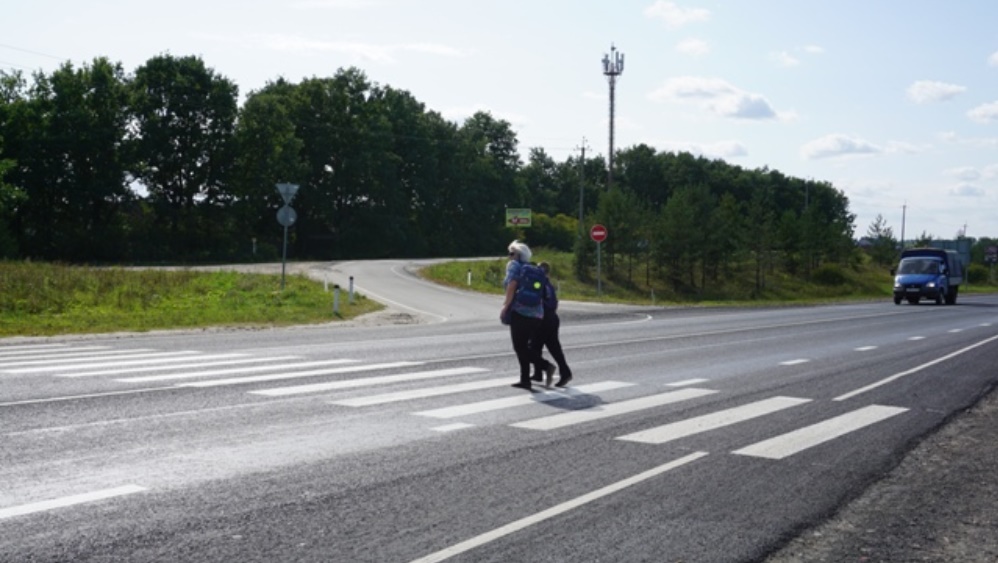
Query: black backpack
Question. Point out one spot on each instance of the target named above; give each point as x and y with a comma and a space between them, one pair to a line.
530, 286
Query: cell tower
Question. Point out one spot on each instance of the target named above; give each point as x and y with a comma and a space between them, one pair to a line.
613, 66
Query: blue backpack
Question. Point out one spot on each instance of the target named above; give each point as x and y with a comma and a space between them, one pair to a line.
530, 286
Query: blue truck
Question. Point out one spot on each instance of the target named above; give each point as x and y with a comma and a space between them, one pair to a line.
928, 273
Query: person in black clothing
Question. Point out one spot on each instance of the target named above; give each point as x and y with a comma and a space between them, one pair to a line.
547, 336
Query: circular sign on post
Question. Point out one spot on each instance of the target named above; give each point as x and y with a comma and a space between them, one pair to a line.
286, 216
597, 233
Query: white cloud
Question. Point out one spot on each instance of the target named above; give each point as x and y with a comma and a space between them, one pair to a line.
966, 190
368, 51
965, 173
926, 91
993, 59
335, 4
783, 58
990, 172
675, 16
984, 113
814, 50
835, 145
719, 150
901, 147
693, 47
716, 96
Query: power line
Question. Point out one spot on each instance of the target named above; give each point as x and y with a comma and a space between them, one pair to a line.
33, 52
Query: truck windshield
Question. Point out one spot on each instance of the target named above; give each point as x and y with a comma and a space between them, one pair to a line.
918, 266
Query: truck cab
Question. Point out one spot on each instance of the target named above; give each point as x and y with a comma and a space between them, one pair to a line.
928, 273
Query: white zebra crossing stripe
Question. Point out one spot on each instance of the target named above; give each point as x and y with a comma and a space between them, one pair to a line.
295, 374
231, 371
213, 360
99, 362
11, 355
22, 348
522, 400
366, 382
127, 365
712, 421
613, 409
792, 442
423, 393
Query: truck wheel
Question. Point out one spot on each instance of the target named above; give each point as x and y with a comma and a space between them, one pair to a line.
897, 300
940, 297
951, 296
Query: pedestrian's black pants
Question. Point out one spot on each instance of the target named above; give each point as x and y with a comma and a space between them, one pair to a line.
523, 331
547, 335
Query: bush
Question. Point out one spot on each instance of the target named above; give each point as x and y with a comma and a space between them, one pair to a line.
829, 274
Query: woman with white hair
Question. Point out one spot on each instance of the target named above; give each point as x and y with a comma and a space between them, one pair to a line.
523, 319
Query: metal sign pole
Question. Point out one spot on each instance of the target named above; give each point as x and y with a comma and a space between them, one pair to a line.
284, 256
599, 271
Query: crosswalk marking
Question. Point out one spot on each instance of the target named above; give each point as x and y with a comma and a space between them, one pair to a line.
366, 382
41, 366
866, 348
712, 421
423, 393
794, 362
21, 348
231, 371
687, 382
792, 442
508, 402
293, 375
130, 363
214, 360
30, 354
452, 427
613, 409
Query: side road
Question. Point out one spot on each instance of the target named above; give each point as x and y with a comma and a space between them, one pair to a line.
940, 504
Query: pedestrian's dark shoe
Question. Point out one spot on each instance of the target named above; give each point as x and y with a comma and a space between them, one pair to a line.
549, 371
537, 378
563, 381
522, 385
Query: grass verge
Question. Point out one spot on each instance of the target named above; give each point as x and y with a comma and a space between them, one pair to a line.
44, 299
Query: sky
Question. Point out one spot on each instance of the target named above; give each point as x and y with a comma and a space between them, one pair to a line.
893, 102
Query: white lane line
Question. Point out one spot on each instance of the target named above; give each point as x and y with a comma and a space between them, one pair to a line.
556, 510
794, 362
68, 501
11, 355
103, 361
985, 324
712, 421
366, 382
230, 371
915, 369
917, 338
295, 374
453, 427
613, 409
687, 382
423, 393
865, 348
955, 330
790, 443
523, 400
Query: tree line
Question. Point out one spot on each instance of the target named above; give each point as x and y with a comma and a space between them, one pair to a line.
164, 164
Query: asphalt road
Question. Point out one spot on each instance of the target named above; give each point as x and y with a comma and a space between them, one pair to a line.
687, 434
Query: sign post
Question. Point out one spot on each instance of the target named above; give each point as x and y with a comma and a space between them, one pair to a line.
598, 233
286, 216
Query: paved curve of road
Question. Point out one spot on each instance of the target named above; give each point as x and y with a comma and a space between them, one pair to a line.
687, 435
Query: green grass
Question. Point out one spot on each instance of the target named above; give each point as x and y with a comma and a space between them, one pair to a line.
827, 284
41, 299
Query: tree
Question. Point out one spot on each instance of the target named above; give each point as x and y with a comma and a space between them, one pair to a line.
883, 245
183, 118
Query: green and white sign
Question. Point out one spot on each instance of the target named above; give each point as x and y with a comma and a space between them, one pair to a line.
518, 217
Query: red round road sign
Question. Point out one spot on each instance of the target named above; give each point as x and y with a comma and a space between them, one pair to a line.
597, 233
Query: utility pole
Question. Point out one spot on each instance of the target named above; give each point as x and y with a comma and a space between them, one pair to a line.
613, 66
904, 211
582, 184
